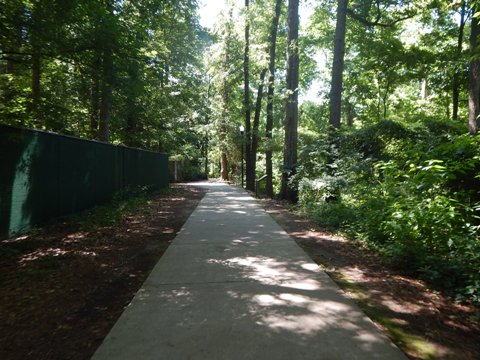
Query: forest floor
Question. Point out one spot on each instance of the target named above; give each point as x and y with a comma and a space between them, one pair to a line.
63, 288
422, 322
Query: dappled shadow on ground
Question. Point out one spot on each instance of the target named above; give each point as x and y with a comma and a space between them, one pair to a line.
246, 293
385, 293
62, 288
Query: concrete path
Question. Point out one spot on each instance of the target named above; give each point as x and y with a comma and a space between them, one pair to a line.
234, 285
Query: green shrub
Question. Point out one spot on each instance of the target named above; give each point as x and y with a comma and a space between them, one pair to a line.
411, 192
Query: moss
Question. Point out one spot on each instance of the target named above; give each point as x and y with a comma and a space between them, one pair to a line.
409, 343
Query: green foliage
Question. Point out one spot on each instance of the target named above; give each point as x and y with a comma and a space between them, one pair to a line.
137, 64
126, 200
411, 192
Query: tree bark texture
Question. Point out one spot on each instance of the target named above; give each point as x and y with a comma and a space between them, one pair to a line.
133, 111
337, 68
249, 174
35, 42
106, 95
223, 127
95, 111
270, 93
256, 123
288, 191
474, 79
456, 75
224, 166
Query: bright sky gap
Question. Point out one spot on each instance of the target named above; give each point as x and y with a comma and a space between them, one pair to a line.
209, 10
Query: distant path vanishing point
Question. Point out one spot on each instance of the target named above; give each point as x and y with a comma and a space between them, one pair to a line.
233, 285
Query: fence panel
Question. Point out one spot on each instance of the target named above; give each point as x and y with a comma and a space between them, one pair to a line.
44, 175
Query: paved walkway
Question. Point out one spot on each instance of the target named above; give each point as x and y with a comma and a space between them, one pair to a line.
234, 285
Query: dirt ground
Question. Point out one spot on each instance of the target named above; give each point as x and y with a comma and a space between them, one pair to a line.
425, 324
62, 289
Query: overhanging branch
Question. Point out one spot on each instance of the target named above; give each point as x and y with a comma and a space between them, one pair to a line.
377, 22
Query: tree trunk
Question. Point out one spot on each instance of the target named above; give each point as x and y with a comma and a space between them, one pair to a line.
95, 98
205, 154
349, 113
289, 192
474, 79
35, 32
337, 68
423, 90
36, 74
107, 79
132, 137
456, 75
224, 166
271, 89
256, 123
250, 176
106, 95
225, 93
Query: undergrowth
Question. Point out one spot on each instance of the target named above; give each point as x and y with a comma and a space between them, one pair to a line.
125, 201
410, 192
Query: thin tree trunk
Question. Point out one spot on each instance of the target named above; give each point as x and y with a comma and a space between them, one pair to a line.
256, 122
474, 79
456, 75
36, 74
133, 127
337, 68
35, 42
349, 113
250, 176
106, 95
205, 152
271, 89
225, 92
385, 104
8, 92
289, 191
95, 98
107, 81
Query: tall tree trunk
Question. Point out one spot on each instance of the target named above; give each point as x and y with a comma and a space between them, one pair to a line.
132, 137
250, 176
224, 166
36, 74
474, 79
107, 78
337, 68
289, 192
225, 93
106, 95
205, 154
456, 75
271, 89
256, 122
349, 113
95, 97
35, 32
36, 67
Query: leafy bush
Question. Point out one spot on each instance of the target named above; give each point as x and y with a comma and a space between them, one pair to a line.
412, 196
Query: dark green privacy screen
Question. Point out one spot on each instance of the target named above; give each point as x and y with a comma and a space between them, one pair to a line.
43, 175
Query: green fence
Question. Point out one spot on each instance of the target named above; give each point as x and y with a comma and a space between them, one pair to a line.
44, 176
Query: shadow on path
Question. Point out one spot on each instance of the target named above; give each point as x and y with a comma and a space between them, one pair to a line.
234, 285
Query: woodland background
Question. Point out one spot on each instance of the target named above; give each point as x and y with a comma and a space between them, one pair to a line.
388, 153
